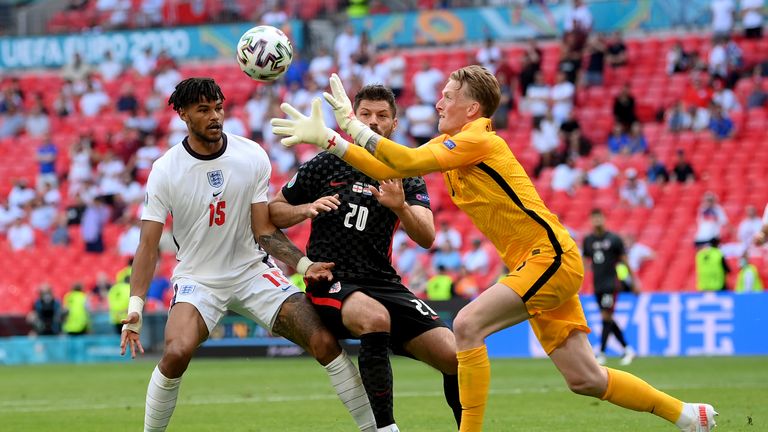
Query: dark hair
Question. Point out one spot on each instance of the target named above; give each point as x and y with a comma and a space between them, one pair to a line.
376, 92
194, 90
596, 212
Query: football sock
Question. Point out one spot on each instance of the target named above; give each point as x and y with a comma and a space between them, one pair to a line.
451, 390
474, 381
376, 371
346, 380
619, 334
629, 391
161, 401
607, 329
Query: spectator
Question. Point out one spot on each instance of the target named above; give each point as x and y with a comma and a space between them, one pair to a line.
64, 104
678, 118
320, 67
531, 64
617, 51
42, 216
447, 235
477, 259
711, 219
596, 51
100, 288
109, 68
656, 172
20, 235
75, 210
634, 193
577, 25
711, 268
545, 140
21, 194
76, 316
752, 18
93, 100
129, 239
95, 217
141, 121
489, 56
151, 13
624, 109
440, 286
426, 82
233, 125
395, 66
422, 119
298, 70
719, 124
144, 62
407, 256
154, 101
637, 142
119, 12
12, 122
637, 253
562, 95
505, 75
147, 155
77, 70
256, 109
718, 59
576, 144
722, 17
60, 232
683, 171
618, 141
447, 258
467, 286
126, 100
749, 227
118, 298
725, 98
566, 176
37, 123
45, 316
276, 16
570, 62
346, 44
748, 279
537, 96
758, 97
602, 173
50, 194
678, 60
46, 162
166, 78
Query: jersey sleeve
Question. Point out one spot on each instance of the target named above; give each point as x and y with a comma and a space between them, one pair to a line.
463, 149
587, 252
156, 200
415, 189
300, 188
620, 249
369, 165
263, 172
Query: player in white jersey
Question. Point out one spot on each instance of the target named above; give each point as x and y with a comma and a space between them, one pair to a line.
215, 188
762, 236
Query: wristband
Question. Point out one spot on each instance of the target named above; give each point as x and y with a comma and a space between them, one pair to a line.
303, 265
337, 145
360, 132
135, 305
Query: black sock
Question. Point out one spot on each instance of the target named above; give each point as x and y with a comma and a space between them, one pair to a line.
607, 329
619, 335
451, 390
376, 372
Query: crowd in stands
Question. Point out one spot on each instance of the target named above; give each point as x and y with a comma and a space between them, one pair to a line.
88, 181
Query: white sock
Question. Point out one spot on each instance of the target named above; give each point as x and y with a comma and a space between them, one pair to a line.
390, 428
161, 401
345, 378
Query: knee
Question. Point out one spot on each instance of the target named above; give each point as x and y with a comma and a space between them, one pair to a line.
176, 358
374, 321
590, 384
323, 346
467, 329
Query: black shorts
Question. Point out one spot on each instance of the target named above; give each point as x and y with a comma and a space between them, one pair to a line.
606, 300
409, 316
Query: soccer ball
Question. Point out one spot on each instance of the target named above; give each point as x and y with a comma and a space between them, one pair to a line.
264, 53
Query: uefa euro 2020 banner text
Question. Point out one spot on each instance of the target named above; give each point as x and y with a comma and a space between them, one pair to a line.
181, 43
685, 324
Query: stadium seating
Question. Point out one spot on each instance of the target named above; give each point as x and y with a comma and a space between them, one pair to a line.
734, 168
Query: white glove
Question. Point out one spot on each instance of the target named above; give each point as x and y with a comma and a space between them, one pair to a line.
312, 130
345, 115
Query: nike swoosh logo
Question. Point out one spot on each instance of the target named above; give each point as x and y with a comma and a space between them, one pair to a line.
334, 184
215, 194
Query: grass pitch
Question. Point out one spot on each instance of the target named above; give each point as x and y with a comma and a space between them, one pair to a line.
288, 395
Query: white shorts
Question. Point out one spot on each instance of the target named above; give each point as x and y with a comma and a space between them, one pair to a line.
258, 299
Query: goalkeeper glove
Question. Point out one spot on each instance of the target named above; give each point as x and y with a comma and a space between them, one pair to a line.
342, 109
312, 130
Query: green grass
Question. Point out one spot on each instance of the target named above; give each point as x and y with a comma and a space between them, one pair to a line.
294, 395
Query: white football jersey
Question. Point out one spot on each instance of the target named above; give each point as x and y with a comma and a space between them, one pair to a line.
209, 198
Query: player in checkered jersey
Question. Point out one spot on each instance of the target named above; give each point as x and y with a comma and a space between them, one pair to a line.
215, 187
354, 216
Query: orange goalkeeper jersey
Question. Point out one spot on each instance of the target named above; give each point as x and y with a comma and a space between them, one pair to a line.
488, 183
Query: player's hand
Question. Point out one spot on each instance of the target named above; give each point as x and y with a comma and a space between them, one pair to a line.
324, 204
345, 115
320, 271
390, 194
339, 101
760, 238
130, 337
299, 128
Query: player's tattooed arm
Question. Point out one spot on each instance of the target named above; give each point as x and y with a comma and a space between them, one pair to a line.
280, 247
372, 144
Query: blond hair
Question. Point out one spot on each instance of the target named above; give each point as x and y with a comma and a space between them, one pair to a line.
481, 85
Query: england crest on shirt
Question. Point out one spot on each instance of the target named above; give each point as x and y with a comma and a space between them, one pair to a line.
216, 178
